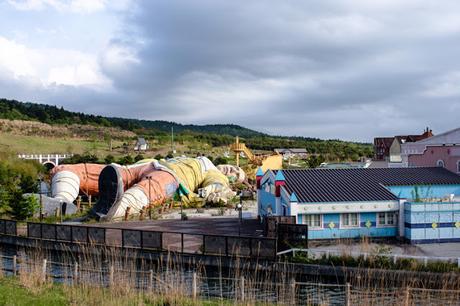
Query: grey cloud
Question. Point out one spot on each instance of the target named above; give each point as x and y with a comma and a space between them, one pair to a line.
329, 69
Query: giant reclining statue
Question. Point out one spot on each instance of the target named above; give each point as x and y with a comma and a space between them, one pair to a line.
146, 183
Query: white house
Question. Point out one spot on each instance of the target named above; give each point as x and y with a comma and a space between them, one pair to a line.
141, 145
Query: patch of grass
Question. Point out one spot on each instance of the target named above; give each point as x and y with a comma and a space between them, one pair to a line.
38, 144
13, 293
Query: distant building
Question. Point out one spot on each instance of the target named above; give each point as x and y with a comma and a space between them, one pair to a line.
293, 153
382, 147
442, 150
418, 204
346, 165
141, 145
389, 148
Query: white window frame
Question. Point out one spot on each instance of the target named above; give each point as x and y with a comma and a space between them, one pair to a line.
358, 225
440, 163
395, 219
304, 221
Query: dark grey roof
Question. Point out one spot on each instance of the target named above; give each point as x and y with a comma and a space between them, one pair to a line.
141, 141
368, 184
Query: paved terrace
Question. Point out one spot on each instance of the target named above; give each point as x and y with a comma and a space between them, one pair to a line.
209, 226
187, 235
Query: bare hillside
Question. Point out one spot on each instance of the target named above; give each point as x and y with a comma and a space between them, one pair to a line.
33, 128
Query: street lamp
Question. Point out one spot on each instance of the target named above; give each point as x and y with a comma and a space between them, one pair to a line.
239, 207
181, 210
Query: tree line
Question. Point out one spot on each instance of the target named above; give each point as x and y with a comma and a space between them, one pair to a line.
214, 134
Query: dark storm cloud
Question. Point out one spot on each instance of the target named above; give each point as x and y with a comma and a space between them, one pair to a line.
308, 68
329, 69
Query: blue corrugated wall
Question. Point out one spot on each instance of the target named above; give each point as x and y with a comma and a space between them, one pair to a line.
432, 222
331, 228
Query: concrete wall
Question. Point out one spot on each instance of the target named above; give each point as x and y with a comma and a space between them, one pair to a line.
395, 152
432, 222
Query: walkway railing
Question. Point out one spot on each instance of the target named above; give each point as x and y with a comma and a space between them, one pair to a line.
394, 257
45, 156
148, 240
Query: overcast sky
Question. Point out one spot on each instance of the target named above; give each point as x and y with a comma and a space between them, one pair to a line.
330, 69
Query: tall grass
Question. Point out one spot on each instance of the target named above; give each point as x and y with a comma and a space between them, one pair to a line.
113, 277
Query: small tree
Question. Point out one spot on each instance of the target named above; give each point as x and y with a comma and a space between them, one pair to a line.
126, 160
24, 207
220, 160
109, 159
138, 157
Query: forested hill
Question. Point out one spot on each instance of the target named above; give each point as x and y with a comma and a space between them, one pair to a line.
214, 134
11, 109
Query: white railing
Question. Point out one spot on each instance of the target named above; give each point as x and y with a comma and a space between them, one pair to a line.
44, 156
394, 257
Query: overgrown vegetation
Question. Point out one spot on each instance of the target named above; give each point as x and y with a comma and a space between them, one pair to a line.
14, 291
16, 178
377, 261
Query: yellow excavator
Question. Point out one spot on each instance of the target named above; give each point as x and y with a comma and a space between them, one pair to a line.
265, 161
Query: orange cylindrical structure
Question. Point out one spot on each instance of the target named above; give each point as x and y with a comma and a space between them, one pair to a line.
136, 187
158, 185
69, 180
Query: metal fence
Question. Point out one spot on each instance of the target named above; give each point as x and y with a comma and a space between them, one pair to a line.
245, 288
186, 243
8, 227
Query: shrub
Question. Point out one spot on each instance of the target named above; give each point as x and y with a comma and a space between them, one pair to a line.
138, 157
24, 207
126, 160
220, 161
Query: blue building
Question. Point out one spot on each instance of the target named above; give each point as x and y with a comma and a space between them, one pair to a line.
419, 204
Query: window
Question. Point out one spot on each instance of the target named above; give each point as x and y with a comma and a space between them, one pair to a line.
350, 220
440, 163
313, 221
386, 219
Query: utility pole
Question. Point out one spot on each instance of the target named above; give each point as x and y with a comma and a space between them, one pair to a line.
237, 152
172, 140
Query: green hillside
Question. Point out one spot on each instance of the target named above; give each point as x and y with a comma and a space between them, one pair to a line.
11, 109
215, 135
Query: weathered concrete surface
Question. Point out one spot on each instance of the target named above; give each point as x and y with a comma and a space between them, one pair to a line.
429, 250
210, 226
